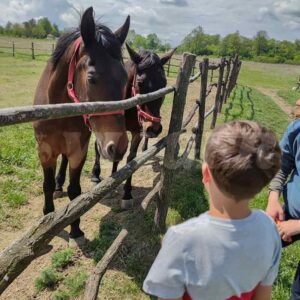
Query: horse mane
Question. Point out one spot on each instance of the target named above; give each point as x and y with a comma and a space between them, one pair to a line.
149, 59
103, 35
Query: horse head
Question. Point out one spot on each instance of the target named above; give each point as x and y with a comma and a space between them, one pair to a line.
148, 75
100, 76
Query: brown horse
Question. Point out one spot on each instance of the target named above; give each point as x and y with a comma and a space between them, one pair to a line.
86, 65
145, 74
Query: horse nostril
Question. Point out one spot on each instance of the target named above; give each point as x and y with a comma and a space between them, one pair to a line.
111, 150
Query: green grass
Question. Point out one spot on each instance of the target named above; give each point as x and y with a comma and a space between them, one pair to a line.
48, 279
61, 295
75, 283
289, 96
102, 241
247, 103
62, 258
275, 76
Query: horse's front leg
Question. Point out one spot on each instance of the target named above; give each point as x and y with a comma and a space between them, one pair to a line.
74, 190
49, 166
135, 142
145, 145
96, 171
61, 176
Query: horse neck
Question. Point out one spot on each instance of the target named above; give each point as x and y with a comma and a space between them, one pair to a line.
57, 91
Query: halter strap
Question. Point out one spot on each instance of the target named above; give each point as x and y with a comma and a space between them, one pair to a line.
72, 93
142, 115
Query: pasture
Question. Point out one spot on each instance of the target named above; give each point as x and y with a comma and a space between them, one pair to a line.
62, 273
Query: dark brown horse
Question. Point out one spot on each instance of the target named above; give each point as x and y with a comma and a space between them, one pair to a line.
145, 74
86, 65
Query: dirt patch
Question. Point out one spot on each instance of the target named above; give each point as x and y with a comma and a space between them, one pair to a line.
280, 102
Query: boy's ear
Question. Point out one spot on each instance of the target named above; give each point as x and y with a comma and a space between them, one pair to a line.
206, 177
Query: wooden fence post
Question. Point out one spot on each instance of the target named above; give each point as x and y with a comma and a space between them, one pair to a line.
175, 125
13, 49
201, 112
232, 76
169, 63
211, 75
218, 93
224, 89
32, 50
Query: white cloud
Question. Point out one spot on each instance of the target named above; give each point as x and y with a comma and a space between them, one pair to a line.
170, 19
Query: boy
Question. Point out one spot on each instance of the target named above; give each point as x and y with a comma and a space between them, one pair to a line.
230, 252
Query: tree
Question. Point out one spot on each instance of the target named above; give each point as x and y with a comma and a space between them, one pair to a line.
261, 43
152, 41
139, 42
45, 24
55, 30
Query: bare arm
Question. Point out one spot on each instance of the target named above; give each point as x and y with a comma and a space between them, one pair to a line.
262, 293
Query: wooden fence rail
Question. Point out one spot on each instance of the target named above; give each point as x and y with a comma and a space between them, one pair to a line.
10, 116
33, 243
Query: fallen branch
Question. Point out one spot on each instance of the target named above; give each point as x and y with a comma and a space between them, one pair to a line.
150, 196
190, 115
93, 283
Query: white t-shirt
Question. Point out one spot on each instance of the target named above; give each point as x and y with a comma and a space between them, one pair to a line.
215, 259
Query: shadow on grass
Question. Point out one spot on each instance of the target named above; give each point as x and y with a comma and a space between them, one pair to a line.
237, 102
143, 242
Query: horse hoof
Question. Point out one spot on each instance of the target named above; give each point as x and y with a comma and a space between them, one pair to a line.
96, 180
127, 204
77, 242
58, 194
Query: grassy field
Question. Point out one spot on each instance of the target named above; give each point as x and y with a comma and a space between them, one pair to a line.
63, 273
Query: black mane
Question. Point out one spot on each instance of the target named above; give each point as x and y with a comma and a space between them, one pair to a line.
103, 35
149, 59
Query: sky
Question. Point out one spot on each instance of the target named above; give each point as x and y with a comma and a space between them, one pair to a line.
171, 20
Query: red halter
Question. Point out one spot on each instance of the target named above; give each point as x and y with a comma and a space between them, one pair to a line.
142, 115
71, 90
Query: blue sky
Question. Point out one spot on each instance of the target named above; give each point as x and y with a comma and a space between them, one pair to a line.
171, 20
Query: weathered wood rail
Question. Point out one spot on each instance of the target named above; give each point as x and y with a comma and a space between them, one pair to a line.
33, 243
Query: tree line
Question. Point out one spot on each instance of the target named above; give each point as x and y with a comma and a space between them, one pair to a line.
151, 42
32, 28
259, 48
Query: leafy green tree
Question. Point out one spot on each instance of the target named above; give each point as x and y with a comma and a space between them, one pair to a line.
55, 30
139, 42
152, 41
261, 43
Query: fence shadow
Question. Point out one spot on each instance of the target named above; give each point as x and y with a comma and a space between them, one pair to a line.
142, 244
239, 100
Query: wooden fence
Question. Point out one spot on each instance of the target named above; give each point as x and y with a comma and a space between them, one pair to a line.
33, 243
34, 50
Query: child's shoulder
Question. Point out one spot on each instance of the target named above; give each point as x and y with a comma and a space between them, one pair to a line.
264, 221
191, 224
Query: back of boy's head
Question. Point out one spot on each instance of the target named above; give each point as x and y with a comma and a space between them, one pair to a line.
243, 157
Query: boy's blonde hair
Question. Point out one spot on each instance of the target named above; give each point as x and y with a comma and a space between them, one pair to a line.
243, 157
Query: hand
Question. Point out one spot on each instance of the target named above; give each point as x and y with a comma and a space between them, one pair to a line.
287, 229
274, 208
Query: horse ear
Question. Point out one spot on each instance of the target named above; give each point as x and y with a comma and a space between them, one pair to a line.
122, 32
87, 27
167, 56
135, 57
